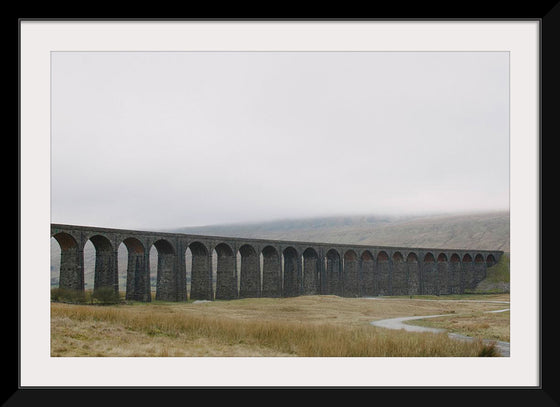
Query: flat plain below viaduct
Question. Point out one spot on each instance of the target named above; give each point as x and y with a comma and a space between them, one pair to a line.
263, 268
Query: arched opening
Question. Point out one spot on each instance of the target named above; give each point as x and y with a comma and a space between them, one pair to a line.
490, 260
55, 262
152, 268
454, 274
367, 273
249, 284
122, 265
311, 277
89, 265
334, 272
271, 272
383, 273
132, 255
479, 269
467, 275
350, 285
399, 275
292, 272
167, 277
414, 274
67, 267
441, 277
188, 271
429, 275
106, 269
201, 272
226, 280
412, 258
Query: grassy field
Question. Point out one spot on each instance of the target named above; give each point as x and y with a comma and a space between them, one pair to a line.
313, 326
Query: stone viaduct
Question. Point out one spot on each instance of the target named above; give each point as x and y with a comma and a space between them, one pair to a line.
267, 268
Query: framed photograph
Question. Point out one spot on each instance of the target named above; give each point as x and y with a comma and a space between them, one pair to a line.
156, 125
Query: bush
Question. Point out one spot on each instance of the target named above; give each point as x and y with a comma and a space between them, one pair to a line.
68, 295
106, 295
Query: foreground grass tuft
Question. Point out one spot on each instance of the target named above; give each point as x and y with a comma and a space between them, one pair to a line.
489, 350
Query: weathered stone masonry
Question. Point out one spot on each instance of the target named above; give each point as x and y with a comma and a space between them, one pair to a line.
266, 268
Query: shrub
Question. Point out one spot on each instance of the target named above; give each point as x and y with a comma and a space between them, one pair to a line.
68, 295
106, 295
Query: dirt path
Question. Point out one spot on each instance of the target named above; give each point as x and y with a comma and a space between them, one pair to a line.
400, 323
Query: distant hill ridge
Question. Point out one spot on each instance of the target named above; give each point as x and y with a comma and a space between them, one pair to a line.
485, 231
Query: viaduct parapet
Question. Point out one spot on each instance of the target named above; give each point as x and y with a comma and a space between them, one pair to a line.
267, 268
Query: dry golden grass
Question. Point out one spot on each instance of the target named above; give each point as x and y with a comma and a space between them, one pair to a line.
303, 326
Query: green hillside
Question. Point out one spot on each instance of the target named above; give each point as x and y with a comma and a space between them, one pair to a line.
497, 278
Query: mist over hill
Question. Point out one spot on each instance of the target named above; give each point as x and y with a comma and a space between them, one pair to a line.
488, 230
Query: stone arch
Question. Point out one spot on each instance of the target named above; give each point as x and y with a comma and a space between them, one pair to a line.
382, 256
334, 272
414, 272
479, 269
490, 260
292, 272
367, 278
311, 275
350, 285
412, 257
249, 284
429, 274
106, 269
138, 285
467, 272
71, 268
164, 246
201, 272
226, 279
271, 272
399, 275
167, 276
441, 283
454, 274
383, 273
134, 245
101, 243
65, 240
198, 249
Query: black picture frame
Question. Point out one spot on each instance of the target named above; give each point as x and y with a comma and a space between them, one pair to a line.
548, 13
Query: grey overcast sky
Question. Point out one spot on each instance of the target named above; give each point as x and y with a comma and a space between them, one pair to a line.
171, 139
